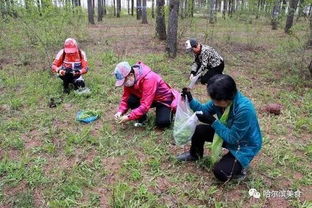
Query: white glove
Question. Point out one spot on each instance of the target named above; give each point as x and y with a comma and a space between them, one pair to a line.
117, 115
191, 76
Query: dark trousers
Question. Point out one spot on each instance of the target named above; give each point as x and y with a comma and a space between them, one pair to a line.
163, 112
70, 79
227, 167
211, 72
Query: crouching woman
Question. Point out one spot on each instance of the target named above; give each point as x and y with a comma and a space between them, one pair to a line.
241, 134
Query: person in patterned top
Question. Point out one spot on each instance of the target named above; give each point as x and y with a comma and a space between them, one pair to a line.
207, 61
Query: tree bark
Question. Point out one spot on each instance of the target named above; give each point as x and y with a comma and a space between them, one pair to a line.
224, 9
181, 7
160, 20
192, 8
310, 38
100, 10
139, 9
173, 28
104, 8
118, 8
90, 12
114, 5
230, 9
128, 5
284, 5
310, 68
212, 18
144, 15
132, 7
153, 9
290, 15
301, 6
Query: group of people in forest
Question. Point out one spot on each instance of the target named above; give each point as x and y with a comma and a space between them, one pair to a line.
144, 89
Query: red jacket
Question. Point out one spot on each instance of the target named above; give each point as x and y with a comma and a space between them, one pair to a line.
149, 87
74, 61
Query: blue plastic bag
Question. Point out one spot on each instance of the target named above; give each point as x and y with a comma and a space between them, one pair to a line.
87, 116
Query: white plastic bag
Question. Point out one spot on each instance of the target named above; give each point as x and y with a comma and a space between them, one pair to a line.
185, 122
193, 81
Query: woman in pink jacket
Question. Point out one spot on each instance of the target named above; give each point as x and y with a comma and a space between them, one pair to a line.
144, 89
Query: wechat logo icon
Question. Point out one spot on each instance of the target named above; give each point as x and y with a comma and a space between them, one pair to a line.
254, 193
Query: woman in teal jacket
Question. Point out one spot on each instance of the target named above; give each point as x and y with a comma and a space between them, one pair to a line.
241, 134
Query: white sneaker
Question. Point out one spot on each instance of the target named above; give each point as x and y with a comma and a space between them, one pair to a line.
137, 124
84, 90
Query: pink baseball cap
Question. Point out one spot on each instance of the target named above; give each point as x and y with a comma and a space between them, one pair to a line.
70, 45
122, 70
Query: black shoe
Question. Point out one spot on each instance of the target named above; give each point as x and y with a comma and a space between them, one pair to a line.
186, 156
66, 90
142, 119
241, 176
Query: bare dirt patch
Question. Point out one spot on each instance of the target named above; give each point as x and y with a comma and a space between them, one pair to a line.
32, 139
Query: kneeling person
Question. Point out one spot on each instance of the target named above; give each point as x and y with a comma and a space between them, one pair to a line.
70, 63
143, 89
241, 133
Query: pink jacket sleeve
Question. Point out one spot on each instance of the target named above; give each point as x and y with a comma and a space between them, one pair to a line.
149, 90
123, 106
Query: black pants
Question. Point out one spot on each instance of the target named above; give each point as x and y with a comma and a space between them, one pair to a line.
227, 167
163, 112
211, 72
77, 81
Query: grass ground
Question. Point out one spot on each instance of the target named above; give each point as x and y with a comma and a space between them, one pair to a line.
47, 159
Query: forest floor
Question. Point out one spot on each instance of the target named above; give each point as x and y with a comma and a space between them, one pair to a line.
47, 159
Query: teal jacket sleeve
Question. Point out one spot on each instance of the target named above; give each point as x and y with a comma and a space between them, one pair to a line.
208, 107
241, 124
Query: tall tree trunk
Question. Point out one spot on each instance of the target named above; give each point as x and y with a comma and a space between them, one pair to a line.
132, 7
310, 38
230, 11
186, 8
310, 68
284, 6
144, 15
118, 8
233, 7
160, 20
224, 8
153, 9
100, 10
275, 14
104, 8
212, 17
90, 12
139, 9
128, 5
192, 8
114, 4
181, 8
290, 15
310, 10
300, 12
173, 28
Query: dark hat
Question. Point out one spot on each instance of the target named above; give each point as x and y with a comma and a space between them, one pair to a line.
191, 43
